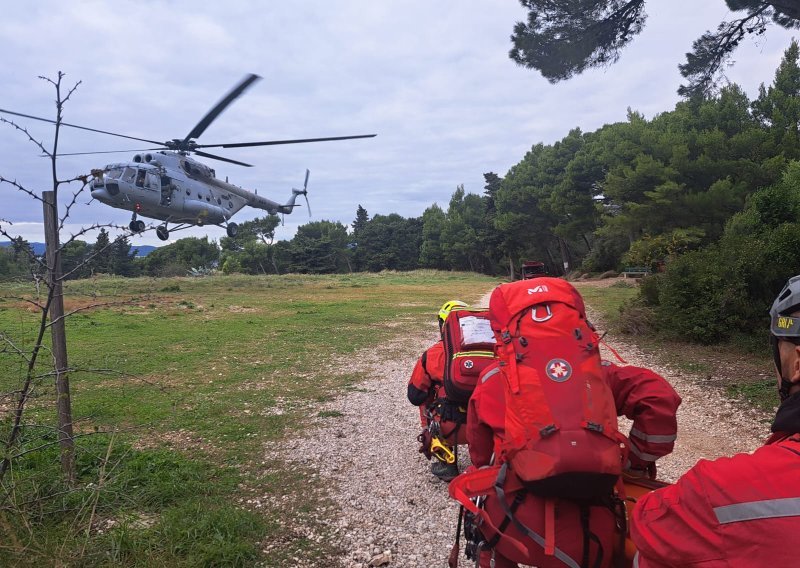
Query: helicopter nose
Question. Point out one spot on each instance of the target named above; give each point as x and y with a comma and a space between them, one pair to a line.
101, 195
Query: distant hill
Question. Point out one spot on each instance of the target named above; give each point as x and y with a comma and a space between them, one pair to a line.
143, 250
39, 248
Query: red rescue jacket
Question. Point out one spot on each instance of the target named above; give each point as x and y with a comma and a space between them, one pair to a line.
426, 385
738, 512
641, 395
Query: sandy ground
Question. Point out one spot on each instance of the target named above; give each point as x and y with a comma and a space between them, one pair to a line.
390, 509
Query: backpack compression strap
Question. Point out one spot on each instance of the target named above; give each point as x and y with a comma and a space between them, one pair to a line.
481, 482
547, 544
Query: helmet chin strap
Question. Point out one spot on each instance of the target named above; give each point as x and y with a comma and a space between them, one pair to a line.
785, 385
783, 390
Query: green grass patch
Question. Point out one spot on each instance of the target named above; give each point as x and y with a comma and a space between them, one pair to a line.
607, 299
760, 393
197, 375
330, 414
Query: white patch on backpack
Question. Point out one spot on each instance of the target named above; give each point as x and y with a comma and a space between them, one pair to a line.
558, 370
538, 290
468, 364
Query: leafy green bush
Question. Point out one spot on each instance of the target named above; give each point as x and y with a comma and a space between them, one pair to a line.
710, 294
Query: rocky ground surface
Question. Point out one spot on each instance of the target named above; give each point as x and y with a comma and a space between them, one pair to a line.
390, 511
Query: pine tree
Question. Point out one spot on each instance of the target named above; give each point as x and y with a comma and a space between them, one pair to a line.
101, 254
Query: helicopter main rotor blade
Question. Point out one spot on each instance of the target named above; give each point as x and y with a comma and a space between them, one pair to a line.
220, 106
161, 144
221, 159
276, 142
108, 152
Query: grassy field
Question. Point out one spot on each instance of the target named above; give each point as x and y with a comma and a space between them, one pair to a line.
179, 384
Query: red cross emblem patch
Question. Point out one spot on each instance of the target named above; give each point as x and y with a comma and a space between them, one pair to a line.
558, 370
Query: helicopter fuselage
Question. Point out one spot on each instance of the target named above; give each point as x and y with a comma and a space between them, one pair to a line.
174, 188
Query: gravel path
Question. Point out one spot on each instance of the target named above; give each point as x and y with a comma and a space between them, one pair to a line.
392, 508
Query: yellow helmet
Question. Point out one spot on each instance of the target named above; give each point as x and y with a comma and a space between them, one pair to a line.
447, 307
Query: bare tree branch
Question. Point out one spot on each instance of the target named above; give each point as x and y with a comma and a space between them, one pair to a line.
28, 134
19, 186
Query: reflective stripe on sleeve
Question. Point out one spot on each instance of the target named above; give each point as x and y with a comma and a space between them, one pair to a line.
636, 560
490, 374
653, 438
640, 454
755, 510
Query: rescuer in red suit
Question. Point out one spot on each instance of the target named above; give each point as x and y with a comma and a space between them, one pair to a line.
641, 395
426, 390
742, 511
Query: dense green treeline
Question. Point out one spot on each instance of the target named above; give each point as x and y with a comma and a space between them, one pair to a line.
706, 193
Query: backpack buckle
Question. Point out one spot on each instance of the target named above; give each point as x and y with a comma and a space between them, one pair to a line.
505, 335
548, 430
594, 426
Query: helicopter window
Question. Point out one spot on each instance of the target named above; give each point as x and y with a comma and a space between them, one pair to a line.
165, 181
129, 175
114, 173
208, 198
140, 178
151, 181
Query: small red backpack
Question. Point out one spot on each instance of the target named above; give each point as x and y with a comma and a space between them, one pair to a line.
469, 348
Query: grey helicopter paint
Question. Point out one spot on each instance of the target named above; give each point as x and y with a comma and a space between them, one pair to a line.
174, 188
166, 184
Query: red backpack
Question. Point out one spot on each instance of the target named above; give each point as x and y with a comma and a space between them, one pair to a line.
469, 348
561, 438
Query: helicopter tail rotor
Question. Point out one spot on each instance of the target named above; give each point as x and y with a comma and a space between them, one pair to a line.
304, 191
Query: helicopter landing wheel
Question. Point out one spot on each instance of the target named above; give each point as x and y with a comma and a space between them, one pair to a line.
136, 226
162, 232
232, 229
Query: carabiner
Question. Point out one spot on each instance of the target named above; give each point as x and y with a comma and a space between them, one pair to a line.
538, 319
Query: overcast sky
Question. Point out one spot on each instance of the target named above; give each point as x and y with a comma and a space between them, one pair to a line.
431, 78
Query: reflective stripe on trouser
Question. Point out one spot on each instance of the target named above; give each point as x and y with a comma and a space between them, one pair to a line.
636, 560
640, 454
756, 510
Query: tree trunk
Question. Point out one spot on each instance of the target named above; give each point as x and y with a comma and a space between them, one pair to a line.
551, 258
58, 331
564, 254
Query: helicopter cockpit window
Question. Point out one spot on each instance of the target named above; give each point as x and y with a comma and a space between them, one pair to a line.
113, 173
151, 181
140, 178
129, 175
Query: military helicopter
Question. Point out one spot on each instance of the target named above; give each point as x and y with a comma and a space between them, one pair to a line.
165, 183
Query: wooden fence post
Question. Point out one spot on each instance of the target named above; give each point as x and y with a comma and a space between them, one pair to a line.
58, 332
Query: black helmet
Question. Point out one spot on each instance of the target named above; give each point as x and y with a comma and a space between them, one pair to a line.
785, 326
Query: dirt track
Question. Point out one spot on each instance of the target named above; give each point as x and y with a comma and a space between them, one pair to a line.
388, 502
